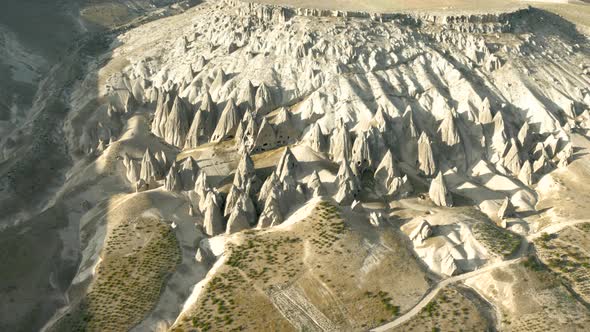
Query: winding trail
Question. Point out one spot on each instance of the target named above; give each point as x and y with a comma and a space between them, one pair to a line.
520, 255
434, 291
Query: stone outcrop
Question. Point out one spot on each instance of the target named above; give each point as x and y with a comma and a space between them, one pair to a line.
177, 124
525, 174
315, 138
271, 215
266, 137
314, 185
264, 101
426, 162
506, 209
213, 223
227, 124
189, 171
132, 169
388, 179
349, 186
238, 219
287, 165
172, 181
485, 112
361, 153
438, 192
421, 233
150, 170
448, 130
511, 159
340, 144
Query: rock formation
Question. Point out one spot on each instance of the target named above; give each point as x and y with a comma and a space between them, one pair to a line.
238, 219
315, 138
349, 186
361, 153
212, 218
271, 215
448, 130
150, 170
189, 171
439, 193
422, 232
340, 145
388, 180
227, 124
506, 209
172, 182
177, 124
426, 163
315, 186
287, 165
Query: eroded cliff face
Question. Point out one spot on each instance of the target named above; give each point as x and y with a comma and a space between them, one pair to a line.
235, 116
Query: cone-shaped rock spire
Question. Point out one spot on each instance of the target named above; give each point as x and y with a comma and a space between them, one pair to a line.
266, 137
448, 130
196, 133
511, 159
439, 193
349, 186
525, 174
315, 138
213, 220
177, 124
247, 96
387, 179
238, 219
426, 162
340, 145
263, 100
189, 170
506, 209
227, 124
485, 112
361, 152
287, 164
271, 215
315, 186
409, 125
150, 168
172, 180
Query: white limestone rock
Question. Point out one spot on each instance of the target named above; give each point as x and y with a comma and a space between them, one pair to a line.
426, 162
177, 124
189, 171
315, 138
287, 165
439, 193
227, 124
271, 215
315, 186
340, 144
421, 233
238, 220
213, 220
172, 181
506, 209
151, 170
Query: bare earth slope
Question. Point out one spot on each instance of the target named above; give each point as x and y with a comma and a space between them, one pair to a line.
246, 166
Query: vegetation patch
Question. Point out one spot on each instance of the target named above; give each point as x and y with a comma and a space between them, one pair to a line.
450, 310
139, 256
276, 280
495, 239
567, 254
